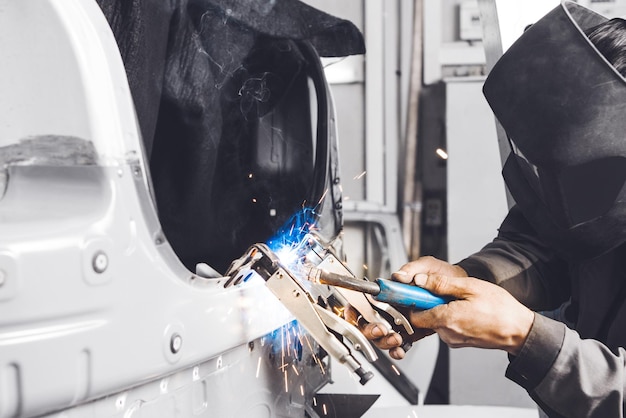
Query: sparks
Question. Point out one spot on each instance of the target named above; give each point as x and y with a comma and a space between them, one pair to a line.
306, 338
282, 350
293, 232
286, 383
291, 245
319, 202
320, 364
339, 310
441, 153
395, 369
258, 367
288, 334
360, 176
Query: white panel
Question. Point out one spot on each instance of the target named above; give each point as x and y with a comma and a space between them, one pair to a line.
391, 104
476, 207
476, 193
374, 95
513, 17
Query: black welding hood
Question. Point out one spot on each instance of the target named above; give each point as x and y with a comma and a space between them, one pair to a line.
563, 106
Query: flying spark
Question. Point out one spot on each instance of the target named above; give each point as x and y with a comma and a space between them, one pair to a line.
395, 369
323, 196
258, 367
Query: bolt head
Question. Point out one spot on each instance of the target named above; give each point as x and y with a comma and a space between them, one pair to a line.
176, 343
100, 262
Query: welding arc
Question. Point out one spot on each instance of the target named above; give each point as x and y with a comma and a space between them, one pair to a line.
347, 282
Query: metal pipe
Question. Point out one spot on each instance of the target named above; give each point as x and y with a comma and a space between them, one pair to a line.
346, 282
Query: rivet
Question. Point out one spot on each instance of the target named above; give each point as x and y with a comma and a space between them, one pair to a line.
100, 262
176, 343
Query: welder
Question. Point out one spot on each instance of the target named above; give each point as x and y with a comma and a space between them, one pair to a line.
550, 290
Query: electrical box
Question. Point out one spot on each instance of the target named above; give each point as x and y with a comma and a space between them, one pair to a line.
470, 28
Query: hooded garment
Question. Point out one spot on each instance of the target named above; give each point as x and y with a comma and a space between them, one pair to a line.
563, 107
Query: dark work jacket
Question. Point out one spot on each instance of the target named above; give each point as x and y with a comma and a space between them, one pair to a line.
575, 371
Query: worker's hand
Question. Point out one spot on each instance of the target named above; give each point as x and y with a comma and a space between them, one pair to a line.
482, 314
427, 265
392, 341
380, 334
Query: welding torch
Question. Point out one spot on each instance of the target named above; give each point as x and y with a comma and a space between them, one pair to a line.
388, 291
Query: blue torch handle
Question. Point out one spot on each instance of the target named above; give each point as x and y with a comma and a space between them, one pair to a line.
410, 296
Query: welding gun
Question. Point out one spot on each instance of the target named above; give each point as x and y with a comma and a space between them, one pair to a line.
388, 291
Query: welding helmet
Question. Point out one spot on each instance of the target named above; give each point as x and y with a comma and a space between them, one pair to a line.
563, 107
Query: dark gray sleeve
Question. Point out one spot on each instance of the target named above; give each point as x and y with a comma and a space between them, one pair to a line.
521, 263
568, 376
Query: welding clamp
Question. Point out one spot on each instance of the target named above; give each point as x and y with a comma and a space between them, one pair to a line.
320, 320
319, 289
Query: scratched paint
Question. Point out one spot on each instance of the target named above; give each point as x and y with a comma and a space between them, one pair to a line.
50, 150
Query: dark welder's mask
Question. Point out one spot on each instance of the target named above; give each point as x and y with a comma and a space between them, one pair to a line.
563, 106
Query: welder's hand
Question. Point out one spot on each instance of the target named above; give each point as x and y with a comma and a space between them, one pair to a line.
390, 340
482, 314
427, 265
423, 266
378, 333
